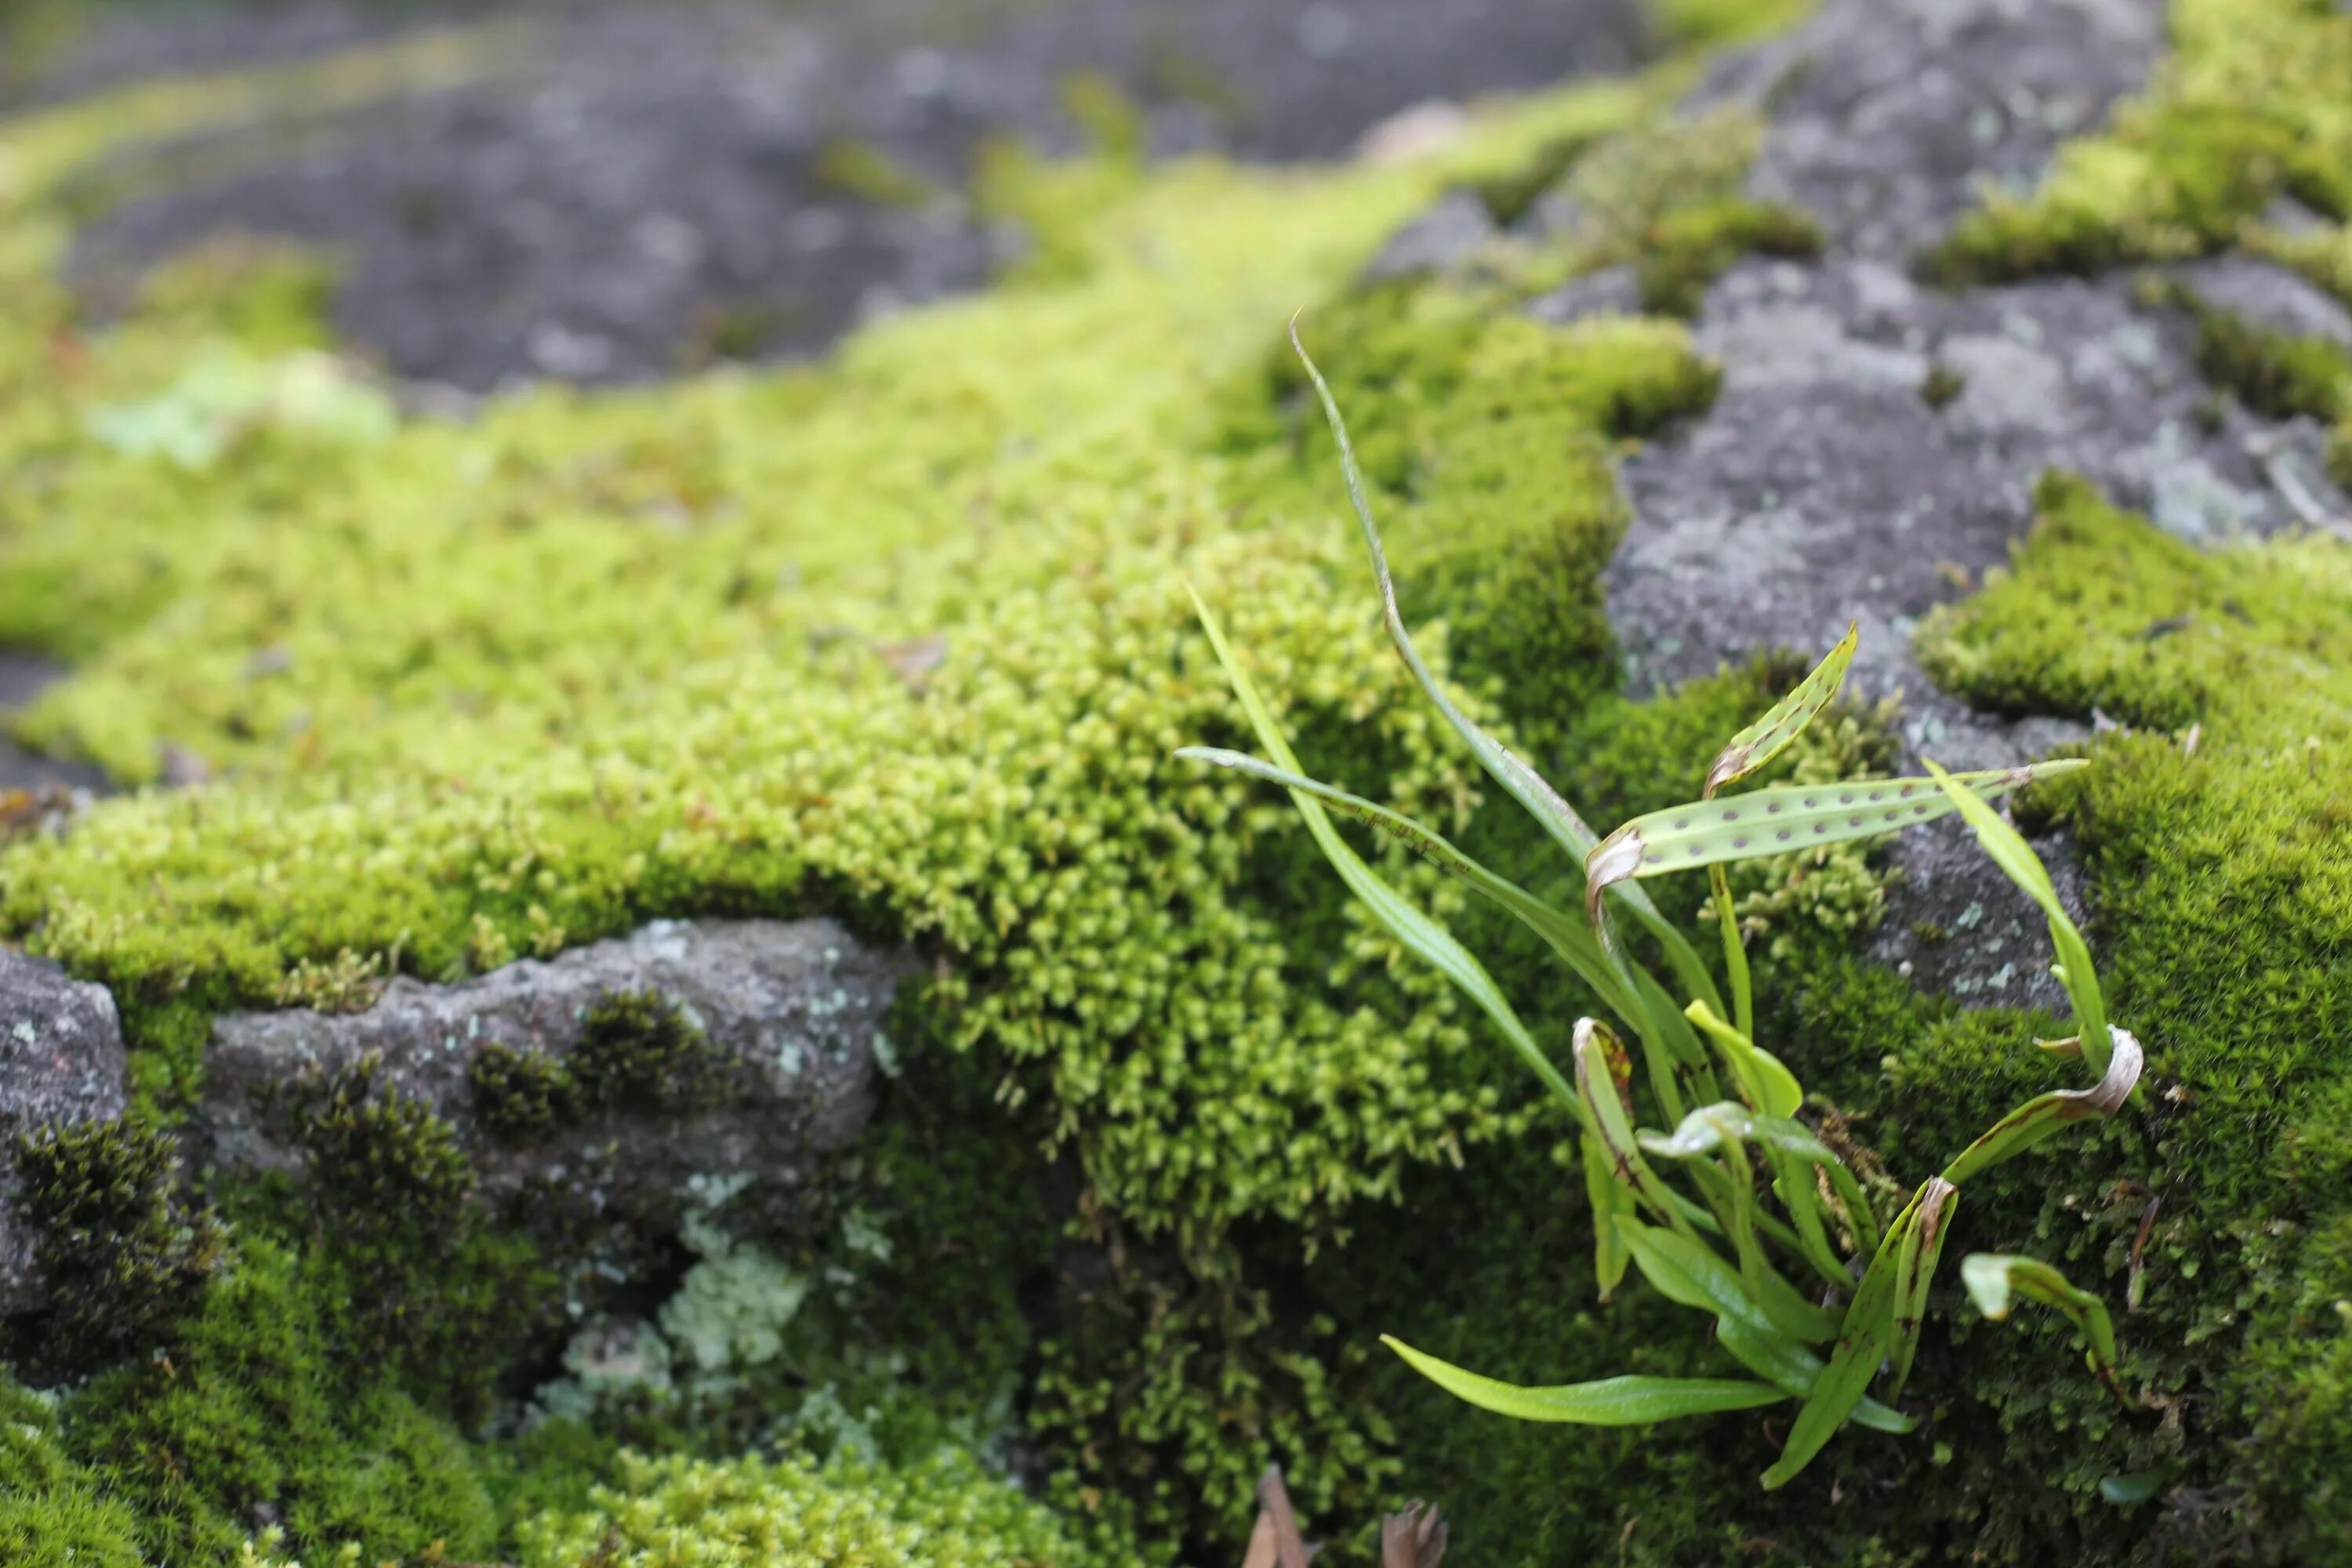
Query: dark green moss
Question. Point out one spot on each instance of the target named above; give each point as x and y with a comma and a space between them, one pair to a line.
126, 1257
638, 1050
1943, 387
2276, 374
1690, 248
428, 1282
520, 1096
263, 1414
1508, 193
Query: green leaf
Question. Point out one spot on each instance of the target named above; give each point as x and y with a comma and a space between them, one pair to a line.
1519, 781
1784, 817
1685, 1269
2133, 1486
1916, 1272
1706, 1130
2045, 1114
2016, 858
1785, 720
1610, 1198
1418, 932
1863, 1342
1763, 1082
1593, 1044
1610, 1402
1571, 938
1993, 1280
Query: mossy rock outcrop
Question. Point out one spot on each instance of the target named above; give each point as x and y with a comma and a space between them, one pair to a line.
2022, 335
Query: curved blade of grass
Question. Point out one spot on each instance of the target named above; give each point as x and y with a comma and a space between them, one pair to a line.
1520, 781
1767, 1086
1685, 1269
1993, 1279
2015, 856
1593, 1045
1785, 720
1922, 1251
2045, 1114
1611, 1201
1793, 1178
1568, 937
1863, 1342
1784, 817
1750, 749
1416, 930
1610, 1402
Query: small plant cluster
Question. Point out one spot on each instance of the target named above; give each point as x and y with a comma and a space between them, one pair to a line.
1708, 1238
637, 1051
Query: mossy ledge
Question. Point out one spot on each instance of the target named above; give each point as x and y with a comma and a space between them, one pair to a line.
899, 639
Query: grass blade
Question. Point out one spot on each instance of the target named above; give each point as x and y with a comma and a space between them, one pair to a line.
2045, 1114
1611, 1200
1749, 750
1610, 1402
1571, 938
1408, 925
1767, 1086
1993, 1279
1863, 1342
1520, 781
1598, 1051
1788, 817
2015, 856
1923, 1248
1709, 1127
1685, 1269
1785, 720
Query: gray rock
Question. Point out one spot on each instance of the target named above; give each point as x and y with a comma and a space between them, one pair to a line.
795, 1009
1823, 486
61, 1061
1440, 240
2274, 298
1612, 292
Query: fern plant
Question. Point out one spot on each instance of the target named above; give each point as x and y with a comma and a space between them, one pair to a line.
1726, 1211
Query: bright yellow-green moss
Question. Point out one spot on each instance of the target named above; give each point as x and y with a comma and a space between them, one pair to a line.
902, 636
2255, 103
685, 1514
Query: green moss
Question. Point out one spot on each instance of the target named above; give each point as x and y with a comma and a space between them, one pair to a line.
1691, 247
519, 1095
851, 167
2250, 106
1943, 387
424, 1279
2224, 903
52, 1511
483, 690
639, 1051
255, 1416
2276, 374
945, 1513
125, 1257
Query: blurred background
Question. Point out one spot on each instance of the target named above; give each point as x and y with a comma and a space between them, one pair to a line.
617, 192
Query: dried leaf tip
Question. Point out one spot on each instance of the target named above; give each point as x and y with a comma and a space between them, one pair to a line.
1612, 859
1414, 1539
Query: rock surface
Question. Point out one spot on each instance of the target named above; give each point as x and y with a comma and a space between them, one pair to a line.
1827, 483
61, 1060
794, 1009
